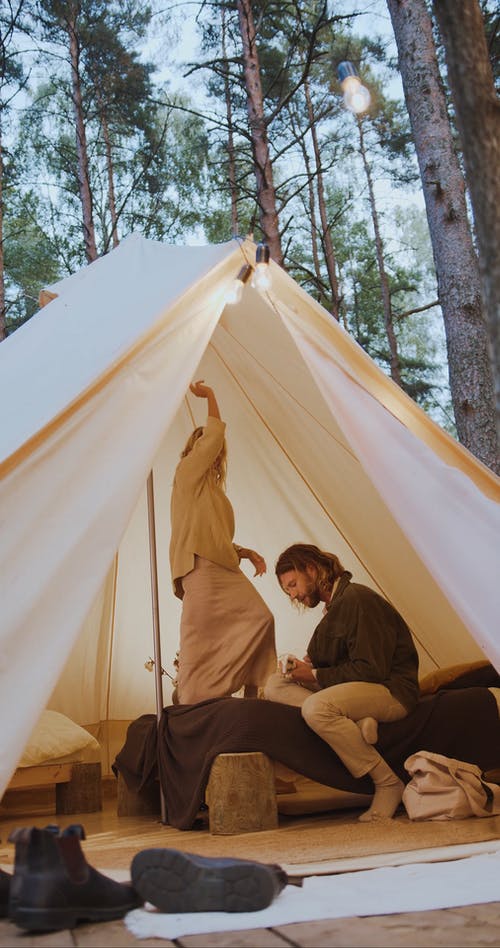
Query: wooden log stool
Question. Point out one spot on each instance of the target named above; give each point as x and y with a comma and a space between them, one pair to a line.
144, 803
241, 794
82, 793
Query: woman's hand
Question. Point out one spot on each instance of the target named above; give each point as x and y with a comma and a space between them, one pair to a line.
256, 560
204, 391
200, 389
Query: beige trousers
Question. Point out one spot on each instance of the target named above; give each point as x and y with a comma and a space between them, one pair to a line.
332, 713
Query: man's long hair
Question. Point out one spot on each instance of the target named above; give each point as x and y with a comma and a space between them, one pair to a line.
301, 555
217, 472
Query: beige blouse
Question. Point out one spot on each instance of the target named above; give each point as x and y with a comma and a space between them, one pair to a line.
202, 517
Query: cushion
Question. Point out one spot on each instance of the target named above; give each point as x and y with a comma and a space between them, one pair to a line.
480, 674
55, 736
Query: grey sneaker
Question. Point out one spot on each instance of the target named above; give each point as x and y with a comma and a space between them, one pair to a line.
176, 881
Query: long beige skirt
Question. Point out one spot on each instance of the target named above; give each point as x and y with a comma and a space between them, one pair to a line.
226, 636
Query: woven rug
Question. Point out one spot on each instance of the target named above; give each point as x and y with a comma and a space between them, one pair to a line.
322, 838
299, 841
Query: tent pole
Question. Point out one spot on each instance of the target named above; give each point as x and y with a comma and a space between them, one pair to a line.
156, 617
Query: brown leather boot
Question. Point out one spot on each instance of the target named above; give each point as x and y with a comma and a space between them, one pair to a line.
5, 880
53, 886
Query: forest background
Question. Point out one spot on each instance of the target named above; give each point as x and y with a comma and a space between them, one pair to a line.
195, 122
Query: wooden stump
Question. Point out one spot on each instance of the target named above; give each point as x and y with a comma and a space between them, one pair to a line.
241, 794
145, 803
83, 792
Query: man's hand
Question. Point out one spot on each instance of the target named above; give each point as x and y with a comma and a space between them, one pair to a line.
302, 673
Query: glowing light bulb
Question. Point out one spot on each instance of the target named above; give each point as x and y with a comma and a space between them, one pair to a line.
356, 96
262, 276
235, 291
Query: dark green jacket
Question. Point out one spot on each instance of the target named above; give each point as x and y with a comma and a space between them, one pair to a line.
363, 638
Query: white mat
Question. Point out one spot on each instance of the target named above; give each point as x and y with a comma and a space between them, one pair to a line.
386, 891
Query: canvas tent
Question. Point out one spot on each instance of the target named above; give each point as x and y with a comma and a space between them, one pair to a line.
323, 448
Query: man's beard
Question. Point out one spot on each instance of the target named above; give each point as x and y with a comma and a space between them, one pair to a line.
311, 597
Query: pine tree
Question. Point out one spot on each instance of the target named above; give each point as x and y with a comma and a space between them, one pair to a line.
477, 112
455, 259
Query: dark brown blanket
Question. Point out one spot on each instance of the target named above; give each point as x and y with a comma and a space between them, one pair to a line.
462, 724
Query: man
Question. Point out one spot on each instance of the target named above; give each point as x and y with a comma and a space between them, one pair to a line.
361, 667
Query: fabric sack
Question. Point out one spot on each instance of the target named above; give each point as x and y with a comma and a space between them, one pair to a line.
442, 788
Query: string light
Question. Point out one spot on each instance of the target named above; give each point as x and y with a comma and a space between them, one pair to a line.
356, 96
262, 276
236, 288
150, 664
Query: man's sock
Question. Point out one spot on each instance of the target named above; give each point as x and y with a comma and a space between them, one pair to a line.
388, 793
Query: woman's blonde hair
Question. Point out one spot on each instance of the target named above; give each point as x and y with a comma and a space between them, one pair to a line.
217, 472
301, 555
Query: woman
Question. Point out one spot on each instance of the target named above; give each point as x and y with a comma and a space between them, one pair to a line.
227, 631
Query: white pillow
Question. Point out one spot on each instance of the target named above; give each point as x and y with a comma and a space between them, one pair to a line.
55, 735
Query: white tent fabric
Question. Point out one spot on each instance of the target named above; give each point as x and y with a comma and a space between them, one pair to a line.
322, 448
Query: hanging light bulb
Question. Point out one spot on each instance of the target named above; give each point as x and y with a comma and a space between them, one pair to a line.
356, 96
236, 289
262, 275
150, 664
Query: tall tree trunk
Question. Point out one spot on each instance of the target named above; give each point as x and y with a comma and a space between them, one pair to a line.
456, 263
109, 168
3, 328
233, 190
477, 112
395, 364
81, 144
311, 210
326, 237
266, 197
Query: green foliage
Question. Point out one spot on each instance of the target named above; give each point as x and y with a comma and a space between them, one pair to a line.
29, 261
170, 195
169, 159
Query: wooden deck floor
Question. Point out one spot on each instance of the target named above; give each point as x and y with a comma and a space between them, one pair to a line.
111, 842
469, 927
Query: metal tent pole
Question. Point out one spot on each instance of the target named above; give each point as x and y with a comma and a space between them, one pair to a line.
156, 617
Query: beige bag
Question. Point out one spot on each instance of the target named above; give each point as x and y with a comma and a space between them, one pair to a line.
445, 789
